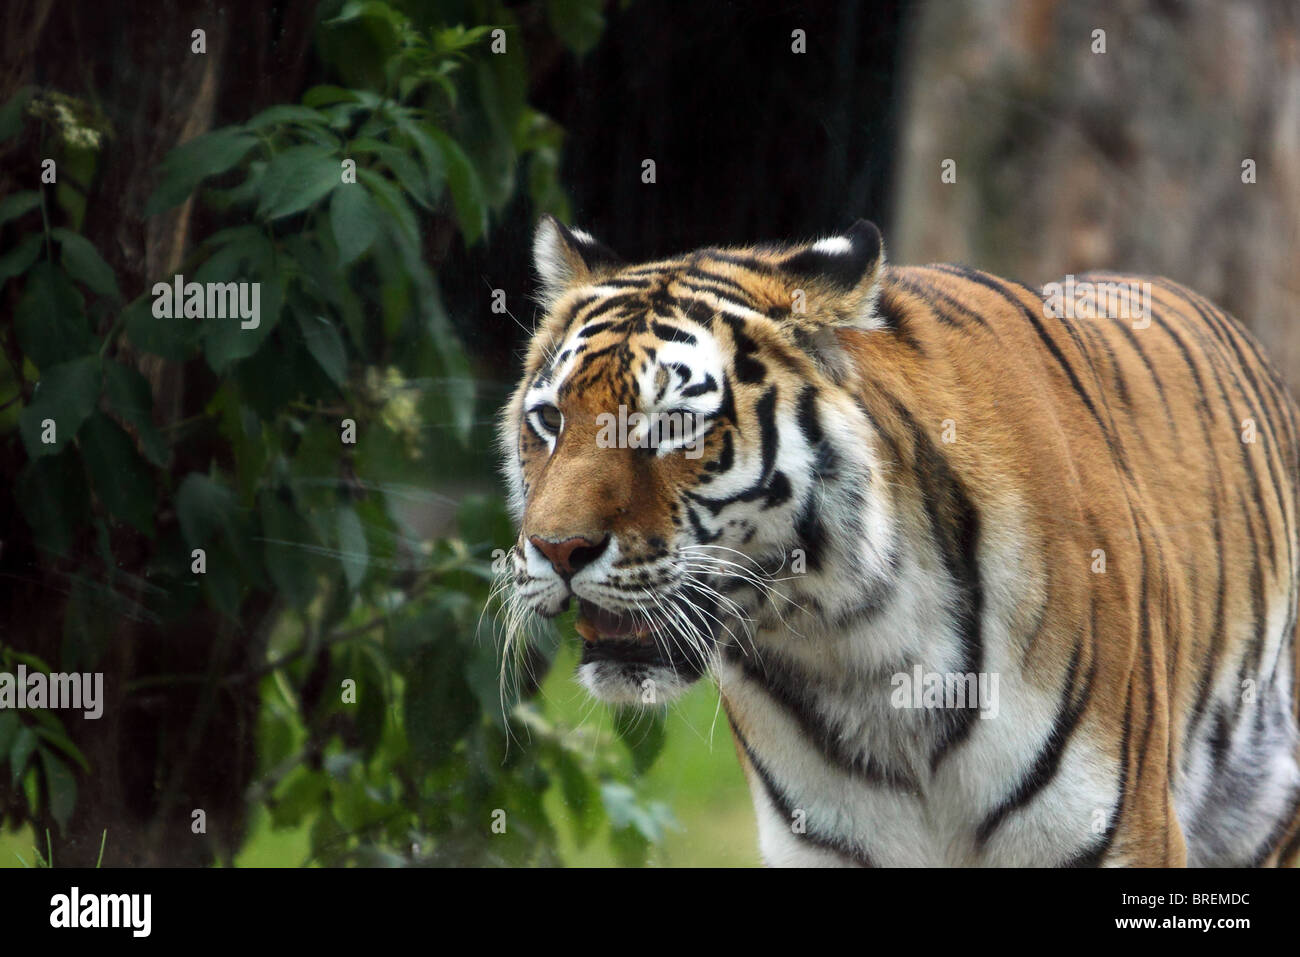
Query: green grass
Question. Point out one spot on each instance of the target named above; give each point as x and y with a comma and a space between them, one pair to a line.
697, 775
16, 843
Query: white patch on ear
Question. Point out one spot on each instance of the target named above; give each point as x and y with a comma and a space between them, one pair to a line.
835, 245
550, 259
583, 236
868, 316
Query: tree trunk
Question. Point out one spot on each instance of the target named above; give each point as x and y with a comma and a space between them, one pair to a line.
161, 750
1129, 159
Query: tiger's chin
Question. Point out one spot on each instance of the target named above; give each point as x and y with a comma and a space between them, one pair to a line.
633, 685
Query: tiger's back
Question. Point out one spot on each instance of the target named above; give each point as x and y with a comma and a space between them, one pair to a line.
1138, 473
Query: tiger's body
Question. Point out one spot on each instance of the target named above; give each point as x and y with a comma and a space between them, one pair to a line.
914, 478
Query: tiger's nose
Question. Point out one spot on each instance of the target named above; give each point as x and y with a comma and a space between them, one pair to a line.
571, 555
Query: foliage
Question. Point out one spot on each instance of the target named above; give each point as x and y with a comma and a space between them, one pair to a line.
382, 725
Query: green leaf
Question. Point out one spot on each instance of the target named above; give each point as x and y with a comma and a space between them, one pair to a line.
581, 799
51, 323
302, 792
435, 163
62, 787
439, 705
11, 114
643, 732
22, 748
354, 221
51, 493
326, 346
288, 542
390, 199
297, 178
466, 189
225, 341
371, 667
326, 95
50, 728
66, 394
117, 473
205, 507
84, 264
188, 165
221, 585
129, 396
329, 841
17, 260
356, 9
578, 23
453, 39
286, 113
11, 207
9, 726
409, 175
353, 553
171, 337
626, 813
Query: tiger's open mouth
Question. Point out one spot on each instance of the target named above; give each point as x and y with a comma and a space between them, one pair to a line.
646, 639
615, 636
600, 624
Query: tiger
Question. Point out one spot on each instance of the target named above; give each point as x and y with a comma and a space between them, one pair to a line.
984, 577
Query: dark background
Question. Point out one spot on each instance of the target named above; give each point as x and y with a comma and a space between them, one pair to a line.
751, 141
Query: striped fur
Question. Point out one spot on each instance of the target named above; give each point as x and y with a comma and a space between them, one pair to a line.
910, 468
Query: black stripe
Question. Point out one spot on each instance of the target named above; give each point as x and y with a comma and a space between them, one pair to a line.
955, 527
709, 384
671, 333
1047, 763
587, 331
932, 294
1257, 492
772, 486
990, 282
598, 307
1225, 333
709, 280
789, 689
893, 316
748, 368
786, 808
1094, 855
752, 263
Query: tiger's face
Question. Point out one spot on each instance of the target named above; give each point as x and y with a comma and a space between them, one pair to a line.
677, 434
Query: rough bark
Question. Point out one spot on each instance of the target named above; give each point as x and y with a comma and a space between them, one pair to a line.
1130, 159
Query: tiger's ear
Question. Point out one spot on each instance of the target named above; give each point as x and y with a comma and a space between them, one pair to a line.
838, 278
565, 257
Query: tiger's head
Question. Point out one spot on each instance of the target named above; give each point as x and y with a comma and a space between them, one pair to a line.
684, 453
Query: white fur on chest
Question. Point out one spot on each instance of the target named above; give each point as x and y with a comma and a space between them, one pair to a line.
936, 822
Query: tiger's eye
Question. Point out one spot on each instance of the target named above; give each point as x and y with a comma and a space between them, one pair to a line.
551, 417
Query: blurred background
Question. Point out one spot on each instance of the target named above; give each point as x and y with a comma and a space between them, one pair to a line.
321, 687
